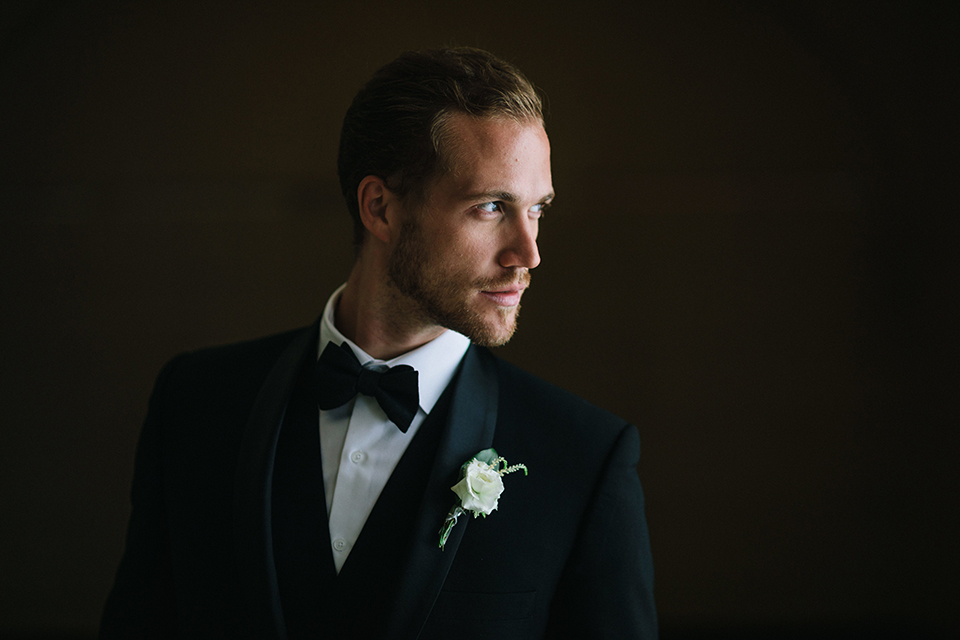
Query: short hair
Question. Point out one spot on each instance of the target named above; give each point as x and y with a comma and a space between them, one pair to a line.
396, 125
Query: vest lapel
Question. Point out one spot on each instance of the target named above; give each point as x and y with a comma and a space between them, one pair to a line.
469, 430
253, 488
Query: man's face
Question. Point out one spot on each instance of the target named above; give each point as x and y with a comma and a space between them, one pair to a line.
463, 259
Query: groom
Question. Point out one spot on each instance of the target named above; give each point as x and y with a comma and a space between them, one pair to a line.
295, 486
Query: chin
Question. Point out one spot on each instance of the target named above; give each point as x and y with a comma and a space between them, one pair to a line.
493, 331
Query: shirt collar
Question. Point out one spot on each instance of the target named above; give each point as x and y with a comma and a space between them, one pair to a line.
436, 361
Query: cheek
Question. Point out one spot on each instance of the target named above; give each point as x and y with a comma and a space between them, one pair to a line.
465, 251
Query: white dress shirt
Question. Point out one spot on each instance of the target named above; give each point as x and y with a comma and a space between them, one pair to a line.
359, 445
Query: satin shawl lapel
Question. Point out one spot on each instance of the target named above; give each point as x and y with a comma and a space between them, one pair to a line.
252, 516
469, 430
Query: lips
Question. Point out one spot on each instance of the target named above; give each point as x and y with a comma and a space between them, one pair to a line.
506, 297
505, 293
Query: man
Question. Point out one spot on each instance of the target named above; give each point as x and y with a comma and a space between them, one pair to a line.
272, 500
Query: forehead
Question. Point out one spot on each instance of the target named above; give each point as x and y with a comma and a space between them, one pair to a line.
487, 154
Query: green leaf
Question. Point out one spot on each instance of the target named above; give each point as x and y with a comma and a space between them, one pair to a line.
487, 456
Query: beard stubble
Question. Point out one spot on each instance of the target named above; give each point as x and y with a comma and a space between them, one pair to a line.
441, 296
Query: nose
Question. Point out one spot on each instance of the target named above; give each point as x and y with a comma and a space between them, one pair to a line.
521, 248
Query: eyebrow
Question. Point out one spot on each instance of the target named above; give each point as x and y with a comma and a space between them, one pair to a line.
505, 196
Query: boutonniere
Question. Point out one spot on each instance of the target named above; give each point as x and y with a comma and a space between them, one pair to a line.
479, 488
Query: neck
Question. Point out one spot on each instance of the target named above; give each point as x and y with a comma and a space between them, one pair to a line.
376, 317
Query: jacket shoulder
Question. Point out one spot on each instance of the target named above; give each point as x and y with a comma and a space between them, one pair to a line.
224, 372
557, 418
548, 398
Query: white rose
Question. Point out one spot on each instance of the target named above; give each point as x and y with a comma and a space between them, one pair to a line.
480, 488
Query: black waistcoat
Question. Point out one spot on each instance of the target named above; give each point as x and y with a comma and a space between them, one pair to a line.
316, 602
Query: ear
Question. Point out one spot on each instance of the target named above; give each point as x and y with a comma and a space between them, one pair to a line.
379, 208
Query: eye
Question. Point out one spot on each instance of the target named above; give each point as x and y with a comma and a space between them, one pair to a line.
490, 207
538, 209
490, 210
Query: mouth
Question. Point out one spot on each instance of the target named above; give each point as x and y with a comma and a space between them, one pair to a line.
506, 296
505, 292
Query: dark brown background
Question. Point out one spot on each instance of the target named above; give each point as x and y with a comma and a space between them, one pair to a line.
751, 257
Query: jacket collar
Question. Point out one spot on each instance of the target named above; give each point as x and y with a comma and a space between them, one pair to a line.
253, 488
469, 430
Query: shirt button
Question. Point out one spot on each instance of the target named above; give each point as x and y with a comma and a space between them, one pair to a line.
339, 544
357, 457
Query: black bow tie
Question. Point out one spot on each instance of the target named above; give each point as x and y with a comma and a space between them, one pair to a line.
339, 377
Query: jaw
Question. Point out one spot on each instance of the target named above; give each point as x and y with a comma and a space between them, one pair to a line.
495, 324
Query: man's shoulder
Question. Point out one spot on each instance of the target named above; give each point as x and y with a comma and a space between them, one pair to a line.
261, 348
533, 403
229, 367
518, 385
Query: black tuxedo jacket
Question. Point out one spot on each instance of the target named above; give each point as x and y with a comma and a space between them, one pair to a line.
566, 554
